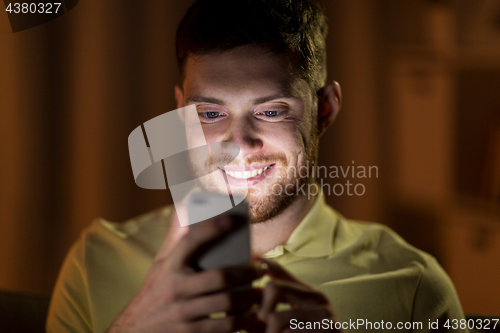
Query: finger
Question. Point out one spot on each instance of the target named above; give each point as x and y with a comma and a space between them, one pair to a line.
276, 271
198, 236
175, 231
221, 279
290, 321
299, 296
229, 302
226, 324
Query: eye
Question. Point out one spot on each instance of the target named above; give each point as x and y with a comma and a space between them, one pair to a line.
270, 113
212, 114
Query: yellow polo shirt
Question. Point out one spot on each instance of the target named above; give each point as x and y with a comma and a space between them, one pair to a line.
372, 277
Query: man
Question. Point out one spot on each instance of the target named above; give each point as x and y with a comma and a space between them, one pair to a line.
255, 69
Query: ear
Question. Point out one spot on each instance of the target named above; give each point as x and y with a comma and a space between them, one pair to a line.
329, 103
179, 97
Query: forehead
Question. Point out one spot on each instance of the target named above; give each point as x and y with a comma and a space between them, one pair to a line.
244, 71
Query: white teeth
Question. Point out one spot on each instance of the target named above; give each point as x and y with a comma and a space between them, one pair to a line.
246, 174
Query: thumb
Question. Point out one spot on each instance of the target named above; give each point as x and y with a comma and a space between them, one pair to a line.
276, 271
175, 230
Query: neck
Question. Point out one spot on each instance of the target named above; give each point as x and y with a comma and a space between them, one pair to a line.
267, 235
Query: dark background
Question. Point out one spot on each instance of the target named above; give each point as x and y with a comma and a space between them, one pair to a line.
421, 83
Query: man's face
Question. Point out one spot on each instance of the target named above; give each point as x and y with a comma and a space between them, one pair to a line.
250, 97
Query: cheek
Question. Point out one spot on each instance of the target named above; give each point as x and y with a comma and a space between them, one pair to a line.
217, 132
287, 138
307, 134
194, 133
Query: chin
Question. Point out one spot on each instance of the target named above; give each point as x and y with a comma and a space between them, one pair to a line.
266, 208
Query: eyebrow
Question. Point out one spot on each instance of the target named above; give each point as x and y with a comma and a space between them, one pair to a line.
272, 97
260, 100
203, 99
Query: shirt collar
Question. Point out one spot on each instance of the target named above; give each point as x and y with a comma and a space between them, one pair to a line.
313, 237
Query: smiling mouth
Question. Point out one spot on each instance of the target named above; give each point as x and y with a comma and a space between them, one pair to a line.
247, 174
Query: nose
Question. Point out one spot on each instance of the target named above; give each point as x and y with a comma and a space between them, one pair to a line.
244, 133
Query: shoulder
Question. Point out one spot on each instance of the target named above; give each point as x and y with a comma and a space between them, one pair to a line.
383, 252
103, 269
436, 288
106, 236
390, 249
107, 249
380, 273
375, 249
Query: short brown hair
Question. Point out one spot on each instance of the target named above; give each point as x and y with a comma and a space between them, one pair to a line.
290, 27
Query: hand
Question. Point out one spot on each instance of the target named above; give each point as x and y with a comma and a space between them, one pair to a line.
175, 298
307, 304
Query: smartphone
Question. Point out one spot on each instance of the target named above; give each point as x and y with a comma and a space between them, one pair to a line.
230, 249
